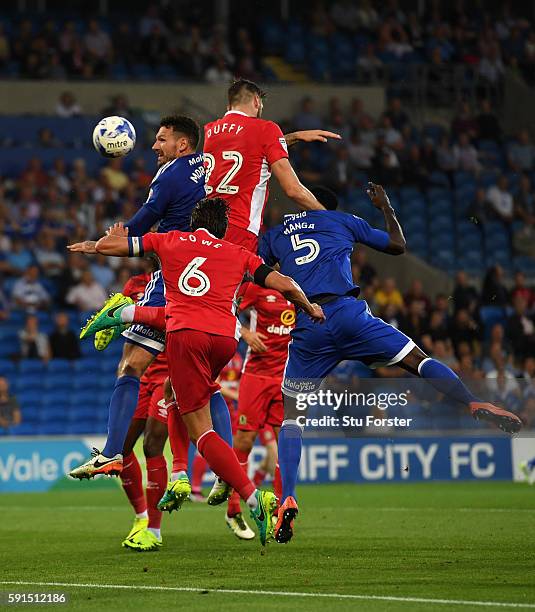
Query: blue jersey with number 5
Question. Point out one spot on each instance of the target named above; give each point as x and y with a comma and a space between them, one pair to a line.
314, 248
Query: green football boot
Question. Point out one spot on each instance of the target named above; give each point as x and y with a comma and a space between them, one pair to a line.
108, 316
175, 495
263, 514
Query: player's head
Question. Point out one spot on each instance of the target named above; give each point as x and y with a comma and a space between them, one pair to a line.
212, 214
178, 136
246, 96
325, 196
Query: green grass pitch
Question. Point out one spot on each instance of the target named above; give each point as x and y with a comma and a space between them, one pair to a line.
448, 541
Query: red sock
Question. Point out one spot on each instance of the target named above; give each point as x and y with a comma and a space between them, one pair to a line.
234, 506
277, 483
178, 438
153, 316
156, 483
199, 467
259, 477
132, 482
223, 461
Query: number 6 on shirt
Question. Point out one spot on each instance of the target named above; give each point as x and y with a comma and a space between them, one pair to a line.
192, 271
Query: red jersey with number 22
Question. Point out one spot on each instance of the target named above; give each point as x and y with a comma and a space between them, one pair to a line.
273, 316
202, 275
238, 153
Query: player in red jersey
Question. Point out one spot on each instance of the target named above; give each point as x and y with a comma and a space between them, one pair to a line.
202, 274
229, 379
272, 319
241, 151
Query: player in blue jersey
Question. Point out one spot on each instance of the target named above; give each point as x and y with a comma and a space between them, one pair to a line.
175, 189
314, 248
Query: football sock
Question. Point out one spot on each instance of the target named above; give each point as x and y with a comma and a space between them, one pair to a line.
198, 469
234, 499
132, 481
445, 380
259, 477
177, 475
252, 501
156, 483
277, 483
290, 444
224, 463
127, 313
155, 531
531, 464
178, 439
122, 406
152, 316
221, 417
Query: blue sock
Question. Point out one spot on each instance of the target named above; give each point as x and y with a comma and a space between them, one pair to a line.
123, 404
446, 381
531, 464
290, 444
221, 417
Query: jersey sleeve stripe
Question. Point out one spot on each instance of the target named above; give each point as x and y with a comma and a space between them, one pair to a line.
259, 199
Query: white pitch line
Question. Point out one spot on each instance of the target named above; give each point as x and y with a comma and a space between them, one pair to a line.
449, 602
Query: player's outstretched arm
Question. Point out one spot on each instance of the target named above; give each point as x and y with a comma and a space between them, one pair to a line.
380, 200
293, 292
310, 136
293, 187
113, 245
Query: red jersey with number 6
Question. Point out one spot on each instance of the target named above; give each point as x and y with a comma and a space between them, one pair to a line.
274, 317
238, 153
202, 275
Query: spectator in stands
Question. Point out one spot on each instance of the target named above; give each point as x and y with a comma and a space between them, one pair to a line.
464, 295
64, 343
19, 258
398, 117
149, 20
4, 305
491, 67
99, 48
521, 153
442, 351
155, 48
386, 166
5, 50
488, 126
520, 288
33, 343
308, 167
494, 292
340, 173
218, 73
525, 201
124, 46
416, 294
415, 323
369, 66
500, 200
67, 106
363, 271
357, 114
414, 170
101, 271
47, 140
307, 118
446, 160
120, 106
47, 256
9, 407
360, 153
465, 155
114, 176
389, 294
28, 292
464, 328
521, 329
464, 122
87, 294
391, 136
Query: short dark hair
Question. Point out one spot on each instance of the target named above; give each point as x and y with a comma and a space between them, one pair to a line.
183, 125
212, 214
325, 196
241, 89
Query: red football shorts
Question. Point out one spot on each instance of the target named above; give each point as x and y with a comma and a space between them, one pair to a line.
195, 359
260, 402
266, 435
151, 402
243, 237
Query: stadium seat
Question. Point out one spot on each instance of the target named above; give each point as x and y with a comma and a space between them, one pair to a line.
60, 366
56, 381
31, 366
56, 398
30, 399
7, 367
24, 429
490, 315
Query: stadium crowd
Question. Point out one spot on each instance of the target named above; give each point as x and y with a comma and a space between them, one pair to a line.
168, 42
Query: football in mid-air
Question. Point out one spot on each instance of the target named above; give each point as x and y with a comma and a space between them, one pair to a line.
114, 136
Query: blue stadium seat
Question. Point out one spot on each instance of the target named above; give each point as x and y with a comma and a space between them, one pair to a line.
84, 398
30, 399
24, 429
31, 366
464, 179
7, 367
52, 428
58, 398
58, 381
52, 413
60, 366
490, 315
